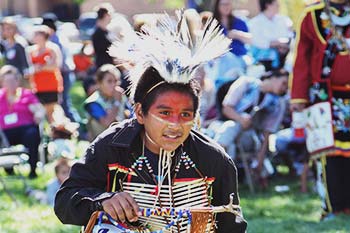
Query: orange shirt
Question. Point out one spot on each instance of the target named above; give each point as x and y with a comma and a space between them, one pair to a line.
82, 62
45, 80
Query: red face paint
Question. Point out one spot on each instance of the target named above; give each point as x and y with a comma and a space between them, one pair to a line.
169, 121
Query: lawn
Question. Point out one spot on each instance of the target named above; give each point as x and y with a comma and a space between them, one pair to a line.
267, 211
292, 211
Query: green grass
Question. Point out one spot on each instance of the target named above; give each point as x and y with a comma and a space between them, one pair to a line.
266, 211
28, 216
292, 211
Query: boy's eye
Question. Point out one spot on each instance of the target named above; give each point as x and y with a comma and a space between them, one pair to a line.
186, 114
165, 113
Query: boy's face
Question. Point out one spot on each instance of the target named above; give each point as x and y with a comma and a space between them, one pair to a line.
168, 122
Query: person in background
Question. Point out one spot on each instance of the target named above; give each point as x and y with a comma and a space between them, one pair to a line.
62, 170
68, 77
271, 35
14, 52
235, 29
47, 81
100, 38
20, 114
292, 150
107, 104
321, 74
252, 105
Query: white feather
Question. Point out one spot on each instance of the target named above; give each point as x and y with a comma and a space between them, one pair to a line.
170, 49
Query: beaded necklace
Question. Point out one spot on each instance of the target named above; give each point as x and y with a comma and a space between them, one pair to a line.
336, 24
164, 163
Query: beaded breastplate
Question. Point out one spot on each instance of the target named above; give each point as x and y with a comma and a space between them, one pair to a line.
171, 201
182, 195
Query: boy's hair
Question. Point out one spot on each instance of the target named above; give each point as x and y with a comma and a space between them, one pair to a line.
151, 85
61, 162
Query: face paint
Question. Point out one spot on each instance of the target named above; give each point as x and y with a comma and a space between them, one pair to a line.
172, 124
168, 121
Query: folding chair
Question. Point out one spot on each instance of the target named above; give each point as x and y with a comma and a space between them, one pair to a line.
10, 157
245, 154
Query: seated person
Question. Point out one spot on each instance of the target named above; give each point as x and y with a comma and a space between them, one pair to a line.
271, 35
20, 114
62, 169
107, 103
252, 103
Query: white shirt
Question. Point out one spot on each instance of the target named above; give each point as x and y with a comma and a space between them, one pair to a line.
265, 30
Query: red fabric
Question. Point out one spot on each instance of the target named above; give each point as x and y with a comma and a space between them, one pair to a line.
45, 80
82, 62
308, 62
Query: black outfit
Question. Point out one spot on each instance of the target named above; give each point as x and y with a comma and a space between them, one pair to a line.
90, 180
15, 55
338, 173
29, 136
101, 44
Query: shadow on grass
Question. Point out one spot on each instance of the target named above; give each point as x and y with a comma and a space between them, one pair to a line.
291, 211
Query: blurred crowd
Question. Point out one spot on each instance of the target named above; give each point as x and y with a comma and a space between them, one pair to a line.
244, 101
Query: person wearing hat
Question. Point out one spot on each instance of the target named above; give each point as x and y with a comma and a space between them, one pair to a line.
157, 160
20, 115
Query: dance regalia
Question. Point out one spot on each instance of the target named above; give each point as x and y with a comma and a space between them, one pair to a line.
169, 186
319, 77
321, 80
122, 166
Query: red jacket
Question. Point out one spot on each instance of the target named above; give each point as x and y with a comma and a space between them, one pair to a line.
310, 47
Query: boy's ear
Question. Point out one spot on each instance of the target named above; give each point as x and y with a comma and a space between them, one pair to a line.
139, 113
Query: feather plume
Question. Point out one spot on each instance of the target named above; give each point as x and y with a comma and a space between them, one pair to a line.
172, 49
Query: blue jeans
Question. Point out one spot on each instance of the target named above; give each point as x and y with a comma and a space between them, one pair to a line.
69, 111
29, 136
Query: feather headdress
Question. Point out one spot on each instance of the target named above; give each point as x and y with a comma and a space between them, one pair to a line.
172, 49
